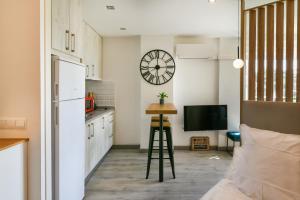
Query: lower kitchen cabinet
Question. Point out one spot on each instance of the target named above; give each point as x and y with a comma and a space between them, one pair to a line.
99, 140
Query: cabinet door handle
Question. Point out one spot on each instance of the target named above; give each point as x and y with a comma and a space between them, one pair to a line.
93, 135
87, 71
73, 42
93, 70
67, 40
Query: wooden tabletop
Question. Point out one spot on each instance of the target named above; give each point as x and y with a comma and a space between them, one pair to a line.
9, 142
156, 108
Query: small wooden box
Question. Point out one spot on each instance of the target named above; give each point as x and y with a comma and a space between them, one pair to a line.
200, 143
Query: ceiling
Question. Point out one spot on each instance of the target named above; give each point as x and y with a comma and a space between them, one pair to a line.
163, 17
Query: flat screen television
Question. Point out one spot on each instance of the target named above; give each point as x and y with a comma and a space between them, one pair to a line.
205, 117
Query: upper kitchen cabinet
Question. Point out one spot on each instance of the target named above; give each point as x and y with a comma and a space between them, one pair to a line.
66, 27
92, 55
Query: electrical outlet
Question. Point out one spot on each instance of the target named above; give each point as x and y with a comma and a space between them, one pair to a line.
12, 123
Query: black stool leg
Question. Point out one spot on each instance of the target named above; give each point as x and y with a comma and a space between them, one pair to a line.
150, 148
170, 150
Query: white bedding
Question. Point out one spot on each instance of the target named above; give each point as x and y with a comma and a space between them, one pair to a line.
266, 167
225, 190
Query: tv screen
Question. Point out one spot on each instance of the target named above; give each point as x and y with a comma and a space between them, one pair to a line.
205, 117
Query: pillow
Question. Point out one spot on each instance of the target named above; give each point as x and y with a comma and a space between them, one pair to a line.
283, 142
237, 173
267, 166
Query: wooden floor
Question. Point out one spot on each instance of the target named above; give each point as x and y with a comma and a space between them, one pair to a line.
122, 176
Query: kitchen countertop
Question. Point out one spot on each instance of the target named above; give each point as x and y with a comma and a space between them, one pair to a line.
9, 142
97, 112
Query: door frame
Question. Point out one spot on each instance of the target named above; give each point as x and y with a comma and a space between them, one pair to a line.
45, 82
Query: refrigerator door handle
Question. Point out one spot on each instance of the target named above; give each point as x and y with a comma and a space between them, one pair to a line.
56, 89
93, 130
103, 123
56, 115
89, 136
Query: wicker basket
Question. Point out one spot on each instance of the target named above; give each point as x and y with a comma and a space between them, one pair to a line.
200, 143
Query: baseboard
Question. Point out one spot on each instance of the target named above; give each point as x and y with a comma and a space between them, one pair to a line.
130, 146
186, 148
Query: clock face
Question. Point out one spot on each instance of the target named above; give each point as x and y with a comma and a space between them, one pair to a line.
157, 67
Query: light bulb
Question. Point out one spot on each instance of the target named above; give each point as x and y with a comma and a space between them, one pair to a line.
238, 63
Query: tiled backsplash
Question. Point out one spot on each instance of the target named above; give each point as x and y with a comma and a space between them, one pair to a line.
104, 92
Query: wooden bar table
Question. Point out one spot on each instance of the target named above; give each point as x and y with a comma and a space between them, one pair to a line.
154, 109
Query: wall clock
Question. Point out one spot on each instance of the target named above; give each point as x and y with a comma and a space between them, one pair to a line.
157, 67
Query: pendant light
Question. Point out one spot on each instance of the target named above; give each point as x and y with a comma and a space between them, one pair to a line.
238, 63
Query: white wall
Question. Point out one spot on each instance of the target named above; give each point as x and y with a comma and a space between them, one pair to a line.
121, 57
195, 83
149, 92
20, 78
229, 86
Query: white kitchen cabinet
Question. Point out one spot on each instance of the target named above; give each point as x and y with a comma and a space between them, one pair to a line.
108, 131
92, 55
87, 148
13, 171
76, 38
99, 139
66, 27
61, 25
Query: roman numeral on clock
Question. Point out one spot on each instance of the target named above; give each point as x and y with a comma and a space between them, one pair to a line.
164, 78
169, 60
151, 78
170, 66
145, 60
146, 74
169, 73
145, 68
150, 55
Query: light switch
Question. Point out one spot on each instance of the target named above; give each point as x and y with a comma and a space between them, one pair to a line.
12, 123
2, 123
20, 123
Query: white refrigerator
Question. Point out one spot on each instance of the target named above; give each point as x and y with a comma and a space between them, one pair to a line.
68, 136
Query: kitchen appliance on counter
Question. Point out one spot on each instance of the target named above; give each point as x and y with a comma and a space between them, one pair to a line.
89, 103
68, 101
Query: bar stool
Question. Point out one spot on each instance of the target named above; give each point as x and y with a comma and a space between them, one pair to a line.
154, 128
156, 118
235, 136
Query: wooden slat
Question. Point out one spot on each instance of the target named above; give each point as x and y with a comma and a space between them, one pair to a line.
242, 54
252, 53
279, 50
270, 53
298, 54
289, 49
260, 54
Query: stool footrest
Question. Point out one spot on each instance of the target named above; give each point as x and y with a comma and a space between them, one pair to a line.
158, 149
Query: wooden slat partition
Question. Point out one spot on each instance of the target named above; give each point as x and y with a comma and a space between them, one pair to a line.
298, 54
261, 54
270, 53
279, 50
252, 53
289, 49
